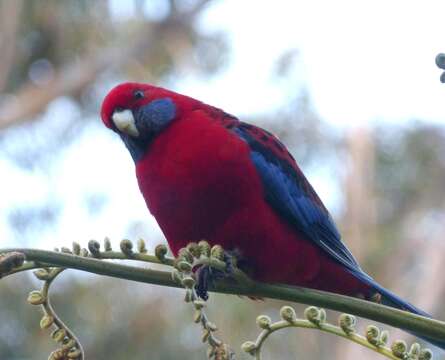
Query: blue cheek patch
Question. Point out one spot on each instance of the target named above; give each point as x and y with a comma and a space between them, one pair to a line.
150, 120
136, 147
155, 116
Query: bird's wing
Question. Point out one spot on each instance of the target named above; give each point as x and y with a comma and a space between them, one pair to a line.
289, 192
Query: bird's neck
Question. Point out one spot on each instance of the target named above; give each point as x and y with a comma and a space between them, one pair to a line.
194, 175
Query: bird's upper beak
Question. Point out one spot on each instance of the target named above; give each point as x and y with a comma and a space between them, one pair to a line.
124, 121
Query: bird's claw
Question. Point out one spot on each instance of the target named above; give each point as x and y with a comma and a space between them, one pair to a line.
206, 275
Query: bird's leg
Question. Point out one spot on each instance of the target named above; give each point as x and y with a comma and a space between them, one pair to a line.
376, 297
206, 275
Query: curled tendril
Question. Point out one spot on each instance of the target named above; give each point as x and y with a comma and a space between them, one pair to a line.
315, 318
127, 247
195, 254
161, 252
94, 247
107, 244
141, 246
76, 248
187, 258
70, 346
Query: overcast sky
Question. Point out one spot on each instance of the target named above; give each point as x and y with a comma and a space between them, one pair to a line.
361, 61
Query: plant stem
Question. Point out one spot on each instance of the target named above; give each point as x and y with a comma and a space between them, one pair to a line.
326, 327
420, 325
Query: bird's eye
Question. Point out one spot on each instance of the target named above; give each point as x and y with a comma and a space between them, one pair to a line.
138, 94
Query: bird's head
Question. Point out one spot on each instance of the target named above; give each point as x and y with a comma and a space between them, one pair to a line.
139, 112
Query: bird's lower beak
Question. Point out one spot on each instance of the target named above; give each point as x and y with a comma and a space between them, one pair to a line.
124, 121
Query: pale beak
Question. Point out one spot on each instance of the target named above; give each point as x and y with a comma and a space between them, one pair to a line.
124, 121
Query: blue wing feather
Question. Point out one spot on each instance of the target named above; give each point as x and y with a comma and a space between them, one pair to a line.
291, 195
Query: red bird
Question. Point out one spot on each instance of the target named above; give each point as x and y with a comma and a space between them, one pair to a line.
206, 175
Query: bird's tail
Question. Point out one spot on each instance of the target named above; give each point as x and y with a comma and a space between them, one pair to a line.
390, 299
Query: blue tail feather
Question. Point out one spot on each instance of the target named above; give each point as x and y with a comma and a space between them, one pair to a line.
390, 299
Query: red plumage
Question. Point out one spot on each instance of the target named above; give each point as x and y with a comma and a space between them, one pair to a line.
206, 175
199, 182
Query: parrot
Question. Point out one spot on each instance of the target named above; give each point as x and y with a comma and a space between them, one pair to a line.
204, 174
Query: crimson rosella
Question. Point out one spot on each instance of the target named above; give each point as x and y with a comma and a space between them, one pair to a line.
206, 175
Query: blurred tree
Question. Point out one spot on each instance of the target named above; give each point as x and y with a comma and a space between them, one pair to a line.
61, 49
71, 52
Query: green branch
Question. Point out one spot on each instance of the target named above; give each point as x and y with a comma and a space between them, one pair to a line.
420, 325
70, 346
374, 339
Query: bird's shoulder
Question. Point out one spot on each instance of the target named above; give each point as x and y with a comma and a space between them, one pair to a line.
275, 153
290, 193
266, 144
217, 115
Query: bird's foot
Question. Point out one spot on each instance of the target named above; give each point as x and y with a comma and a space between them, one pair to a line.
376, 297
207, 275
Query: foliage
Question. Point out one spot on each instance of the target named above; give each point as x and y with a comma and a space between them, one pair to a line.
200, 256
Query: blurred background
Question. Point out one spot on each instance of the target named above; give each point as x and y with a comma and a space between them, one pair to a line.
350, 87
